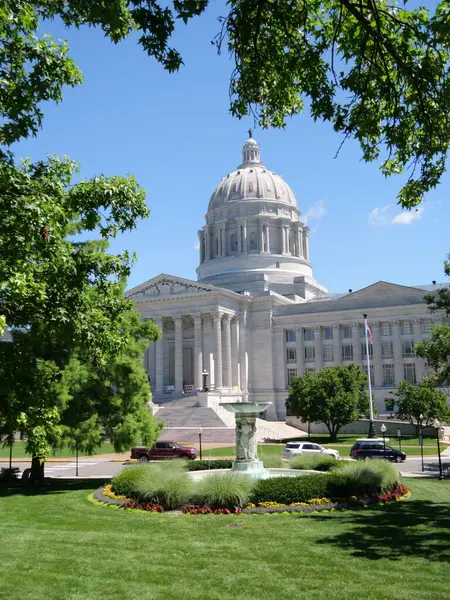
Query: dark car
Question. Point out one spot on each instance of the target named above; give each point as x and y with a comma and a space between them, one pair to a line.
163, 451
375, 449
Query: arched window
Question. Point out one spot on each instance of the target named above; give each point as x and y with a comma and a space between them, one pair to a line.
250, 186
233, 243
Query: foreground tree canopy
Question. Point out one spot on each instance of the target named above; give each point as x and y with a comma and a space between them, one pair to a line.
377, 70
335, 396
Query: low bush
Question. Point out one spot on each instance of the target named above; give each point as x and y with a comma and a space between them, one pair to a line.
224, 490
166, 484
205, 465
273, 462
286, 490
363, 478
124, 484
9, 474
313, 462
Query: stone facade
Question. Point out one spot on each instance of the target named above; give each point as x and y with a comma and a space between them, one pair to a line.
256, 317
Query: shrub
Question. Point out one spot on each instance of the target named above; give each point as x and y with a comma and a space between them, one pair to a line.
124, 484
224, 490
363, 478
205, 465
9, 474
167, 484
273, 462
313, 462
286, 490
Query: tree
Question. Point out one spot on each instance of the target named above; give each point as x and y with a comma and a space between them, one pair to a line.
436, 351
419, 405
335, 396
378, 73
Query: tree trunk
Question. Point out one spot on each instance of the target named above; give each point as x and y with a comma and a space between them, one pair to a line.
333, 433
37, 471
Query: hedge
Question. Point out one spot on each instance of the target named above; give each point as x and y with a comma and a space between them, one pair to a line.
286, 490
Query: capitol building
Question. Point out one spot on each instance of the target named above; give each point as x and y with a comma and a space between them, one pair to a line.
255, 316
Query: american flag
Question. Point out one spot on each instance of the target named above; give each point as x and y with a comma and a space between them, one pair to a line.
369, 332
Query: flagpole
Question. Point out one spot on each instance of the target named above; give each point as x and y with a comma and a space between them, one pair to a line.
372, 432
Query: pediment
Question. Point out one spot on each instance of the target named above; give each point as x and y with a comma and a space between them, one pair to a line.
384, 289
165, 286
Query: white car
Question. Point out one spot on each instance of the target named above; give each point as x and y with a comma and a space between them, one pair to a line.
295, 448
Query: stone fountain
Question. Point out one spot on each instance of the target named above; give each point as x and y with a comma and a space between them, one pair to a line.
247, 461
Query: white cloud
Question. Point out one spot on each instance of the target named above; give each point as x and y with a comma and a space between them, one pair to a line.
384, 216
316, 211
197, 246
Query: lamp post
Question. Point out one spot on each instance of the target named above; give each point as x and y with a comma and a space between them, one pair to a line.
200, 441
421, 439
437, 425
205, 380
383, 431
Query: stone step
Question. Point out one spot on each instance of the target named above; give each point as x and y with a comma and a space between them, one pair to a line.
184, 435
189, 417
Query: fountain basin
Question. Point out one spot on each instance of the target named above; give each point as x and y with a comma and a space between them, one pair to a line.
246, 407
266, 474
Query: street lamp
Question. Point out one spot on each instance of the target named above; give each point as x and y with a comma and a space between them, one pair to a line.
205, 381
421, 439
383, 431
200, 440
437, 425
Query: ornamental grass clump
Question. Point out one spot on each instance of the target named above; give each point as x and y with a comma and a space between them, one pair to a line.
125, 483
313, 462
167, 484
363, 478
224, 490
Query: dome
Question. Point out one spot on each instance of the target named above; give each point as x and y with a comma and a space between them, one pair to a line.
252, 181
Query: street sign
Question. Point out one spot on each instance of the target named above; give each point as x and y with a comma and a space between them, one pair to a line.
399, 433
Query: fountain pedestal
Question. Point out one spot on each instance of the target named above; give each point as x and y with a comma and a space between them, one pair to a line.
247, 461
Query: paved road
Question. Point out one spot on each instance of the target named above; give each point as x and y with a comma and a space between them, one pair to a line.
104, 467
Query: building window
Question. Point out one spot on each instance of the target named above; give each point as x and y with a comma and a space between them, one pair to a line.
347, 352
362, 331
364, 368
386, 350
308, 335
290, 335
328, 353
327, 333
310, 354
233, 242
217, 246
385, 329
388, 375
291, 373
346, 331
291, 355
409, 370
311, 370
253, 245
406, 327
426, 325
408, 349
364, 350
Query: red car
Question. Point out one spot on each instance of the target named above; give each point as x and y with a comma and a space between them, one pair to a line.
163, 451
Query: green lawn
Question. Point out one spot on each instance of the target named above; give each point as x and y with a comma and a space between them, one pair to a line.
266, 450
60, 546
19, 451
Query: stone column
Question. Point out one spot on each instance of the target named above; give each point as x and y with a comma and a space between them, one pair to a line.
300, 347
337, 346
261, 237
420, 362
178, 320
235, 353
267, 237
283, 241
207, 243
300, 242
318, 350
398, 352
245, 248
243, 354
217, 324
159, 364
305, 243
377, 364
198, 351
356, 340
227, 378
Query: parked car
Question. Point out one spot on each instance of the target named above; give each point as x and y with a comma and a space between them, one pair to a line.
163, 451
295, 448
375, 449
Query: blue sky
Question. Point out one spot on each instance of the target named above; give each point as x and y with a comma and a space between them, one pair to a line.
175, 134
